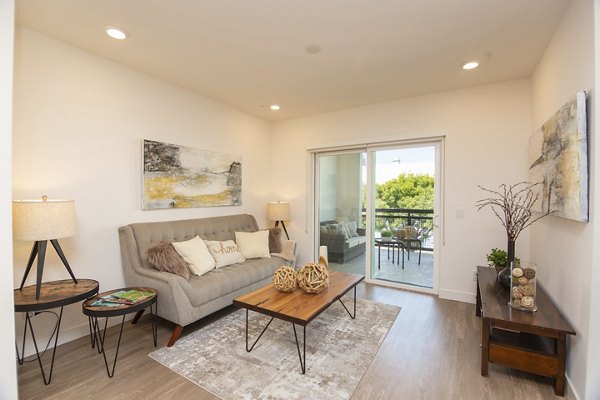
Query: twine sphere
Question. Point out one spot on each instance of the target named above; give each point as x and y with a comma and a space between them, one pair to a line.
284, 279
313, 278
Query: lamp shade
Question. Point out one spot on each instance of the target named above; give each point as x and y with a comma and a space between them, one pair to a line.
43, 219
278, 211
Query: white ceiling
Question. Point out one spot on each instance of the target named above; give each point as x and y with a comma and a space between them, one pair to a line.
251, 53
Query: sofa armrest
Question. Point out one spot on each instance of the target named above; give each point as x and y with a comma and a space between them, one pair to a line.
335, 242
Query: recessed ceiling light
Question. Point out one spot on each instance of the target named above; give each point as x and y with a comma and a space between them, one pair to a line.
312, 49
116, 33
275, 107
470, 65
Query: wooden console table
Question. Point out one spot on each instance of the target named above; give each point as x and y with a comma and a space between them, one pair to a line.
534, 342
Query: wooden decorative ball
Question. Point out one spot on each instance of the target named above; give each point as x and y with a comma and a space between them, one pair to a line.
284, 279
529, 273
523, 281
313, 278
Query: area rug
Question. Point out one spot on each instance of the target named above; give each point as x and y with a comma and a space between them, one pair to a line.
338, 351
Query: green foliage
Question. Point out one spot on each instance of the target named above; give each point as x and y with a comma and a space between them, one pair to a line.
406, 191
413, 191
499, 258
386, 233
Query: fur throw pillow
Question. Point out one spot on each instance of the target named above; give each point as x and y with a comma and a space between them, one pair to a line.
163, 257
275, 240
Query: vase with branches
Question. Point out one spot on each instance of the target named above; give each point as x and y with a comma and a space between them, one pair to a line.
513, 205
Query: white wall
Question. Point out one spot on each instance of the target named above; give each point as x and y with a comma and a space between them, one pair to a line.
339, 187
79, 122
8, 377
486, 128
563, 248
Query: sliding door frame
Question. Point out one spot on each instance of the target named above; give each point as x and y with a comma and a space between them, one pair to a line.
369, 148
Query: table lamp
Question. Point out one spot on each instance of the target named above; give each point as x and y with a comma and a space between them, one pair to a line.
40, 221
279, 211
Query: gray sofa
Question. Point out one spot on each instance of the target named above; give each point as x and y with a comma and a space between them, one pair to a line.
183, 302
339, 248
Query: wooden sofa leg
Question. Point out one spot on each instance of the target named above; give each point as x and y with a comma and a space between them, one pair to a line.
175, 335
137, 316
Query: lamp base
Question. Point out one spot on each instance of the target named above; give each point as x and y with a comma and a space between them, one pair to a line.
285, 230
39, 250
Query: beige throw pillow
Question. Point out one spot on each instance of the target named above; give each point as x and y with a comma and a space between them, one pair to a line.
287, 250
196, 254
253, 244
225, 253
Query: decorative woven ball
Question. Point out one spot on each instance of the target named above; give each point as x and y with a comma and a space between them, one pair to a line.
517, 272
313, 278
523, 281
516, 294
527, 290
529, 273
284, 279
527, 301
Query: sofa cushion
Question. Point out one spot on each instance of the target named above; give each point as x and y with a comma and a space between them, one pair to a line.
196, 254
222, 281
225, 253
355, 241
253, 244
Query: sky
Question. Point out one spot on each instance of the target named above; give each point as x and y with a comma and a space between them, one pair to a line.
391, 163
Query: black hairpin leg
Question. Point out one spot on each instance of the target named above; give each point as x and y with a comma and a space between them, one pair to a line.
37, 352
259, 336
346, 308
100, 342
154, 324
301, 357
93, 323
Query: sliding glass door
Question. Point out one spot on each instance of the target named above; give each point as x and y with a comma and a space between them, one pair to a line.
340, 202
402, 211
376, 212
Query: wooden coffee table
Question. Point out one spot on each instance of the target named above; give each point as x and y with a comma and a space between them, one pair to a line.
298, 307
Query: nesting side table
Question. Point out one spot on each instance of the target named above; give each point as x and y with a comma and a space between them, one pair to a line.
98, 335
56, 294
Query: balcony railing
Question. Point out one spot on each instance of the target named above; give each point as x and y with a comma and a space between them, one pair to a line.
396, 218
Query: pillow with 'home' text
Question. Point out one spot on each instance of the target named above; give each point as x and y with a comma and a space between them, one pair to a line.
225, 253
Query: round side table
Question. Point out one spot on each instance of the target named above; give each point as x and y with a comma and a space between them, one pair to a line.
53, 294
94, 312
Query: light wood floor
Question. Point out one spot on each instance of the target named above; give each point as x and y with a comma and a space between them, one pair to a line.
431, 352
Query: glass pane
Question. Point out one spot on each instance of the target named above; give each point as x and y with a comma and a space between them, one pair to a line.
403, 201
341, 182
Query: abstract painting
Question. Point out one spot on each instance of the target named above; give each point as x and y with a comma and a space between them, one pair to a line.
558, 157
183, 177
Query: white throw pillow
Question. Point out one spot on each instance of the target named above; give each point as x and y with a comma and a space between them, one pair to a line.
253, 244
352, 228
195, 253
225, 253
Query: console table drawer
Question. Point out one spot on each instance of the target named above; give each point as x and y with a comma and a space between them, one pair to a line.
523, 351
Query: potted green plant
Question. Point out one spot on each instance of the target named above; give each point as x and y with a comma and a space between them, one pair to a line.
498, 259
386, 235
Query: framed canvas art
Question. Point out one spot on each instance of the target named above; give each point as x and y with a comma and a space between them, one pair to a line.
558, 156
181, 177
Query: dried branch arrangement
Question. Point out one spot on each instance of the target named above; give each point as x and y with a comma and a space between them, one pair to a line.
513, 206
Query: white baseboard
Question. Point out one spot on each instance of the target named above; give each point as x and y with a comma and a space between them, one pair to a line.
571, 388
456, 295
